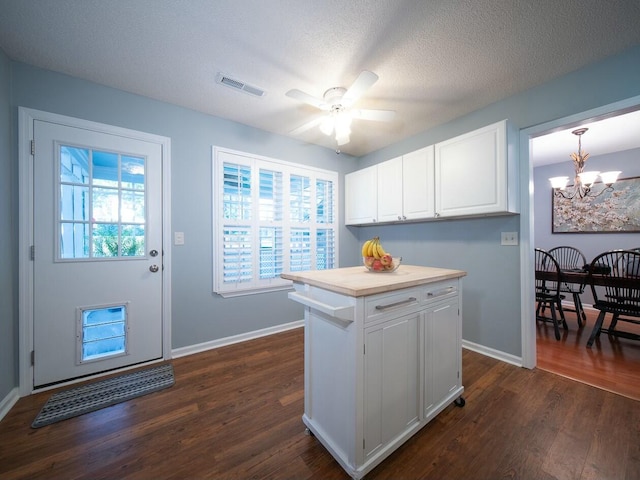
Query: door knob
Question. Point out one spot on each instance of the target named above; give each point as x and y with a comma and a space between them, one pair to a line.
154, 268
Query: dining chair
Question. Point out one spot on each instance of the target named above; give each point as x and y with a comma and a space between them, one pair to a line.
572, 260
548, 294
615, 285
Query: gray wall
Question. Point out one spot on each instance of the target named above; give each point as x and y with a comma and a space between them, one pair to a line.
198, 314
492, 296
8, 242
591, 244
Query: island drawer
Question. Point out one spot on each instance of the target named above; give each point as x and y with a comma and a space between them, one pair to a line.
439, 290
395, 304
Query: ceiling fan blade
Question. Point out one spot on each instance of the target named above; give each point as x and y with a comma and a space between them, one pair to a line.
373, 115
361, 85
307, 126
308, 99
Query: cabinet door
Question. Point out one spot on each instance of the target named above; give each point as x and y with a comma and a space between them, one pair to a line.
391, 379
418, 197
471, 173
443, 353
390, 190
361, 199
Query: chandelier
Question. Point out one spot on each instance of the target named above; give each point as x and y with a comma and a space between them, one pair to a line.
583, 181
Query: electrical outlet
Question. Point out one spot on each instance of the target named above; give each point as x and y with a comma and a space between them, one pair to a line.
509, 238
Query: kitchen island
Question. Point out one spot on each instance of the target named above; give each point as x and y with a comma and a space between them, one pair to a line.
383, 356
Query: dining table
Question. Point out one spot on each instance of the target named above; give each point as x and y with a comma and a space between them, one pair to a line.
582, 276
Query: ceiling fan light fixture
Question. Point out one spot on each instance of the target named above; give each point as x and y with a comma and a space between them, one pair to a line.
326, 126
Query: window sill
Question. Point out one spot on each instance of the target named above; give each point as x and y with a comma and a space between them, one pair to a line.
254, 291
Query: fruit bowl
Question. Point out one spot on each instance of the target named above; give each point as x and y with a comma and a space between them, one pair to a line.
385, 264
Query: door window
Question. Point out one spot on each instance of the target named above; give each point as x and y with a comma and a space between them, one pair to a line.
101, 208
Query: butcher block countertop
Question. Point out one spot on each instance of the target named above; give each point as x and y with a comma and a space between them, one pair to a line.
359, 282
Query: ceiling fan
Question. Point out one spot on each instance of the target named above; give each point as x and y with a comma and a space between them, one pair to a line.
338, 103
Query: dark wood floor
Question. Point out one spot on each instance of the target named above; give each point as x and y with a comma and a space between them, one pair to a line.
611, 363
234, 413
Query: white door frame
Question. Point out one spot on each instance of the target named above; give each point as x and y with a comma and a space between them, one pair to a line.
527, 297
26, 117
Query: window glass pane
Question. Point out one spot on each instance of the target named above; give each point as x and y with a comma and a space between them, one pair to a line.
324, 201
74, 202
132, 206
300, 255
74, 165
238, 255
270, 252
236, 195
299, 199
74, 240
132, 241
270, 196
105, 205
325, 249
105, 169
105, 240
104, 332
132, 174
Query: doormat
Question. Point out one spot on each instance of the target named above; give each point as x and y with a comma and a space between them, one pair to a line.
94, 396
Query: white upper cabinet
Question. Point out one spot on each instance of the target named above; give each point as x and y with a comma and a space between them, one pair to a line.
418, 198
396, 190
390, 190
361, 198
476, 174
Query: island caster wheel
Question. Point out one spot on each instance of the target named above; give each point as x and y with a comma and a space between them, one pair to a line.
459, 402
308, 432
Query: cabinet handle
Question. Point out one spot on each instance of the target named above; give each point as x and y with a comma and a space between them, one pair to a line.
439, 293
396, 304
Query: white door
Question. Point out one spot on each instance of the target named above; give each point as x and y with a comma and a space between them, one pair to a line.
97, 255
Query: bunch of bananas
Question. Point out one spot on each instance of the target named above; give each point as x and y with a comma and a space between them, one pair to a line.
376, 258
373, 248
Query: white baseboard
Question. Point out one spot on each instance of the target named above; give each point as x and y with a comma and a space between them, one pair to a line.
490, 352
8, 402
223, 342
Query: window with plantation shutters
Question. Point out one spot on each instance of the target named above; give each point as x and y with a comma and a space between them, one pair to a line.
270, 217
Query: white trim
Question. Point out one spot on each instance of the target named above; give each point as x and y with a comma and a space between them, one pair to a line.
8, 402
490, 352
527, 297
26, 117
223, 342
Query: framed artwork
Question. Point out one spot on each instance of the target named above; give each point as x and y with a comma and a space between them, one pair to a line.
616, 211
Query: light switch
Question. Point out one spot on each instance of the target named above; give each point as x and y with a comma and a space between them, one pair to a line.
509, 238
178, 238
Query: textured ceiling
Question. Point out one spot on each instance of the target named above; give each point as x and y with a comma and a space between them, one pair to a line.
437, 60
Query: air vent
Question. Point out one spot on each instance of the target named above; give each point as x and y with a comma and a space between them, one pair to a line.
238, 85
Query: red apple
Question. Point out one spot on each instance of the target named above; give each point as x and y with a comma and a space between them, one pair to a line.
377, 265
368, 261
391, 266
386, 259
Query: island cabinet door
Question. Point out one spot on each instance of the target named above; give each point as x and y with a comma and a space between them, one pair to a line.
391, 379
442, 350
